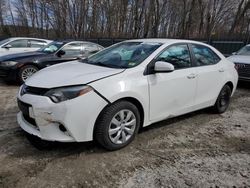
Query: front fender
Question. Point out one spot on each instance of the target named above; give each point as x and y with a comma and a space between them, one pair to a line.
125, 85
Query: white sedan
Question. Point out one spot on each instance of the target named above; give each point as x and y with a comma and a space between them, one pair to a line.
130, 85
21, 44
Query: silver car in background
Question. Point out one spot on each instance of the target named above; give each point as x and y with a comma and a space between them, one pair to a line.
241, 60
15, 45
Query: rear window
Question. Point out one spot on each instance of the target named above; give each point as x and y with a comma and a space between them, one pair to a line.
204, 55
37, 43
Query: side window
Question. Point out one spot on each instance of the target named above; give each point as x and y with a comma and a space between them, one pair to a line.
177, 55
73, 49
22, 43
37, 43
204, 55
90, 47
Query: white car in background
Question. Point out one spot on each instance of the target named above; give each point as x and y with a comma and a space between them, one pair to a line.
242, 62
110, 95
21, 44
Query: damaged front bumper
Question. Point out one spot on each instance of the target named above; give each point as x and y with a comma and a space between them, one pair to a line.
68, 121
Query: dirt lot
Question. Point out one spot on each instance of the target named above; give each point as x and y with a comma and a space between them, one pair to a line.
198, 150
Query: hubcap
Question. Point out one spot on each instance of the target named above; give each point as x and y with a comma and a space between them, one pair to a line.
122, 126
28, 72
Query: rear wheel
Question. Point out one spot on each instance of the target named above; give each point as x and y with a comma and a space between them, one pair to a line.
25, 72
223, 100
117, 125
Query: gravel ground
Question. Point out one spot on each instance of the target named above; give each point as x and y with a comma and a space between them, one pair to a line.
200, 149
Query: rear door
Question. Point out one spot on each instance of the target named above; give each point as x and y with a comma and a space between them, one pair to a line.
210, 74
173, 93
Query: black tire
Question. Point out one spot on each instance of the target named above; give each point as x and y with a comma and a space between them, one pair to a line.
39, 143
103, 123
223, 100
22, 70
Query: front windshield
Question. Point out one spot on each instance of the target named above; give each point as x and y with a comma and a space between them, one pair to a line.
123, 55
51, 47
244, 51
4, 41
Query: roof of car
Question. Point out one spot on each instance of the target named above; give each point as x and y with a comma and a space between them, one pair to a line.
15, 38
80, 41
165, 41
71, 40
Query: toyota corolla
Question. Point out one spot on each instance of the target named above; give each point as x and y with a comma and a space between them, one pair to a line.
110, 95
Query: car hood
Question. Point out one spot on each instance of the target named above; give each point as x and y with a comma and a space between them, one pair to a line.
22, 56
240, 59
70, 73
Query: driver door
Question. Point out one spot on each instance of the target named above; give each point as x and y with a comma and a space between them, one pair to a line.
173, 93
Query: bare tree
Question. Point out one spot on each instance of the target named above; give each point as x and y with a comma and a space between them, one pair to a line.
126, 18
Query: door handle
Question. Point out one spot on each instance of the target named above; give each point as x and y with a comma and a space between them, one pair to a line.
191, 76
221, 70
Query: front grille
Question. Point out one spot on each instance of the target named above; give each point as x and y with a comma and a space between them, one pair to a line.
33, 90
24, 107
3, 73
243, 69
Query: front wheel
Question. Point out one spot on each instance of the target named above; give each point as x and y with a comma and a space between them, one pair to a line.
223, 100
25, 72
117, 125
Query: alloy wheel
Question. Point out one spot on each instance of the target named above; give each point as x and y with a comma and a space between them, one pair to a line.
122, 126
28, 72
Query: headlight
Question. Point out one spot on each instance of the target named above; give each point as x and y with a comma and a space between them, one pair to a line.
8, 63
65, 93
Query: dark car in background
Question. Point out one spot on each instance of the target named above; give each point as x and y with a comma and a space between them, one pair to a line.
19, 67
241, 60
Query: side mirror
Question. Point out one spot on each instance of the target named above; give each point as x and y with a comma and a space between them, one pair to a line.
234, 53
7, 46
161, 67
60, 53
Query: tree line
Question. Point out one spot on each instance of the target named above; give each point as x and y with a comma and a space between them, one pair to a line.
203, 19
